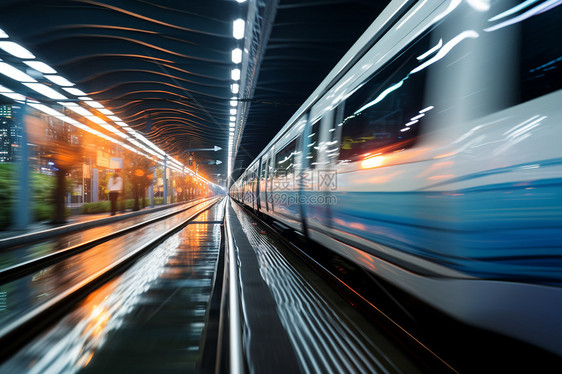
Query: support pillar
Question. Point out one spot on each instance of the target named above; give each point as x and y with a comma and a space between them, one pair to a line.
21, 212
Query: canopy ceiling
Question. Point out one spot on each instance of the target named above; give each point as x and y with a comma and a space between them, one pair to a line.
168, 62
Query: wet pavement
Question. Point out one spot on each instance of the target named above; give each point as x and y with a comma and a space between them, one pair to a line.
24, 294
326, 334
151, 319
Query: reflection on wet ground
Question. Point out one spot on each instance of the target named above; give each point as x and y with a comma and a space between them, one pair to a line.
327, 334
12, 256
25, 293
150, 319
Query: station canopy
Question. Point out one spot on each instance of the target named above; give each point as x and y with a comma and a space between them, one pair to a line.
165, 67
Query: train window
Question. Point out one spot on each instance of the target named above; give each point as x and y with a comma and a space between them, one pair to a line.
263, 170
541, 50
285, 160
385, 113
504, 56
312, 143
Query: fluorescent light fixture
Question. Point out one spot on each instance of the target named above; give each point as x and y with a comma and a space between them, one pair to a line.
11, 94
94, 104
241, 1
46, 109
57, 79
114, 130
233, 111
237, 55
232, 124
46, 91
235, 88
116, 119
232, 118
97, 120
3, 34
107, 112
16, 50
40, 67
74, 91
238, 28
233, 102
11, 72
235, 74
85, 98
77, 109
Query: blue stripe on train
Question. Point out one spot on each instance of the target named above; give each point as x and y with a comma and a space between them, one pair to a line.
508, 231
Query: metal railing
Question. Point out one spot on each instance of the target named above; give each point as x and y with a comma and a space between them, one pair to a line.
230, 305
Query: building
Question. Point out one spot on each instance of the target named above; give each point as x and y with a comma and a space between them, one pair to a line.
7, 134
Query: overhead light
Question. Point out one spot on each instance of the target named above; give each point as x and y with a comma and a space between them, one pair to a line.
241, 1
97, 120
238, 28
11, 72
94, 104
85, 98
235, 74
77, 109
237, 55
107, 112
16, 50
74, 91
232, 118
46, 109
232, 124
57, 79
235, 87
11, 94
3, 34
233, 111
46, 90
115, 119
40, 67
233, 102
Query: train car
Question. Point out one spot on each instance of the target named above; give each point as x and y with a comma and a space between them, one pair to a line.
430, 156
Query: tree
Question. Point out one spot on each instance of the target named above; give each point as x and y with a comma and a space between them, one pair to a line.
137, 169
64, 150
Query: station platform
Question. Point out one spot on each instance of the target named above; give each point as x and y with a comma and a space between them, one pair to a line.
44, 229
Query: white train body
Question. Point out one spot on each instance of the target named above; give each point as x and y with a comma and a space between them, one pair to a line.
431, 155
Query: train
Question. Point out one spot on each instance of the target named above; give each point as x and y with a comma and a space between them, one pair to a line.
431, 156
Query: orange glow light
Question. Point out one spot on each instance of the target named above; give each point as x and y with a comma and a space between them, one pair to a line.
445, 155
372, 162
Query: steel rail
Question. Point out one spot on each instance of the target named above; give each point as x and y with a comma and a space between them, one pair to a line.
232, 304
17, 333
15, 271
33, 237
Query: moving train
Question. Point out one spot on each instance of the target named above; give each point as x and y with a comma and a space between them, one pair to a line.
431, 155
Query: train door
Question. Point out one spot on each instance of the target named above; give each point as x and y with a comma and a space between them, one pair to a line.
270, 176
322, 149
263, 184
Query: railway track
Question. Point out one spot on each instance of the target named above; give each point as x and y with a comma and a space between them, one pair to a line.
17, 331
12, 272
